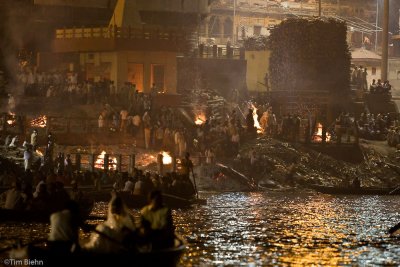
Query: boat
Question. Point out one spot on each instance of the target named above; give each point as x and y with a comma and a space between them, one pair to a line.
171, 201
222, 178
83, 188
39, 216
356, 191
276, 188
43, 256
139, 201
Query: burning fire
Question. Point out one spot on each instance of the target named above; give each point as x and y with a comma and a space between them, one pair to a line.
200, 119
40, 122
39, 153
317, 137
11, 121
167, 159
112, 162
255, 118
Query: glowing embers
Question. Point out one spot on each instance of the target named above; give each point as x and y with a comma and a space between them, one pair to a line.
317, 136
166, 158
200, 119
112, 161
40, 122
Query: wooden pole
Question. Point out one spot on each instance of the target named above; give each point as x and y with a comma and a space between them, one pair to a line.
385, 40
92, 160
319, 8
173, 163
78, 162
106, 162
131, 163
119, 163
160, 164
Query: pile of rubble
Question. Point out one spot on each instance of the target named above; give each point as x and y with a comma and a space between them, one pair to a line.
275, 160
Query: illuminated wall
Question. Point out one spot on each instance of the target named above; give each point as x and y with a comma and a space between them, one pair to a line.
132, 66
257, 66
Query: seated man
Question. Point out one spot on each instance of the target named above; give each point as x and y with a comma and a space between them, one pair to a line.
156, 222
12, 198
75, 194
64, 225
116, 232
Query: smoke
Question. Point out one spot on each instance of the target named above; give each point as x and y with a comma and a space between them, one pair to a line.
10, 43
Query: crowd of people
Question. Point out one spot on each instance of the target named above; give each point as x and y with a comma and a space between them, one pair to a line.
73, 88
359, 77
374, 126
377, 87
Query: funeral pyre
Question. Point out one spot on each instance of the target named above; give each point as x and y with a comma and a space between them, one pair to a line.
40, 122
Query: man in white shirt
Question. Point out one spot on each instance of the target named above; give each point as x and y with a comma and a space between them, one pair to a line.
64, 233
129, 186
124, 118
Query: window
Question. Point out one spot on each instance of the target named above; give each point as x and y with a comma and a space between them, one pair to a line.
157, 76
257, 30
373, 71
135, 75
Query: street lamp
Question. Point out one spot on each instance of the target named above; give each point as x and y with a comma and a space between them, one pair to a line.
376, 23
233, 21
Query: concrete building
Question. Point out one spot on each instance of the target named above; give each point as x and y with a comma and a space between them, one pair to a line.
235, 20
140, 44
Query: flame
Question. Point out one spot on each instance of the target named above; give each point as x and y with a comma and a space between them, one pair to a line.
167, 159
112, 165
12, 120
40, 122
39, 153
255, 118
200, 119
317, 137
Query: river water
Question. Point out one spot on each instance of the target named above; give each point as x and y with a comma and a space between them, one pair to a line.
280, 229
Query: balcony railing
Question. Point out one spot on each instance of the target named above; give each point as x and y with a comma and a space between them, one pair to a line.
121, 33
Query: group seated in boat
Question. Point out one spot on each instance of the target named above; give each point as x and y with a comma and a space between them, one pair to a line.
118, 234
144, 183
48, 196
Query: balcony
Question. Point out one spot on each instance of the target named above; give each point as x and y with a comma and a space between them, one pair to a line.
120, 38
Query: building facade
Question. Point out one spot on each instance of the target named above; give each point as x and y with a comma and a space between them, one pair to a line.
139, 45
